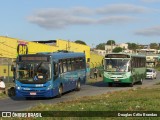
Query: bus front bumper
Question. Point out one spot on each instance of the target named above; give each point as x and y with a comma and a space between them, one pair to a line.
47, 93
116, 80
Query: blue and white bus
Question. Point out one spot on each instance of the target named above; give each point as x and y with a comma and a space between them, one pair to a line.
49, 74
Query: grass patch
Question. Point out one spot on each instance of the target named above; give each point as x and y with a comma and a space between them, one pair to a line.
157, 83
2, 95
131, 100
157, 68
139, 99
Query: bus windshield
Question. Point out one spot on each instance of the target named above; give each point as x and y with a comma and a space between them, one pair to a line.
33, 72
117, 65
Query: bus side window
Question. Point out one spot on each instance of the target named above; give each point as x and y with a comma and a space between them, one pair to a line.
60, 67
83, 63
69, 64
72, 64
64, 66
55, 70
77, 64
80, 63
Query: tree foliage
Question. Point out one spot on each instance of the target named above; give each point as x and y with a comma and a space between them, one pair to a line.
154, 46
110, 42
132, 46
117, 49
80, 42
101, 46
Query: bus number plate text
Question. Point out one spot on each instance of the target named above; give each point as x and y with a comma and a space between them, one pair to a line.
116, 80
32, 93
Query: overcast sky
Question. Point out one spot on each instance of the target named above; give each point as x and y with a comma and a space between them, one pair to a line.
93, 21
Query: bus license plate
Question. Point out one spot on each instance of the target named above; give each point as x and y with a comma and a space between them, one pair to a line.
116, 80
32, 93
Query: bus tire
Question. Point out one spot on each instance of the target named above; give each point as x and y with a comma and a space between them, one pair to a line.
11, 92
60, 90
78, 85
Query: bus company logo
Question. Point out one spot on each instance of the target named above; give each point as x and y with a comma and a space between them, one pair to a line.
22, 47
20, 114
6, 114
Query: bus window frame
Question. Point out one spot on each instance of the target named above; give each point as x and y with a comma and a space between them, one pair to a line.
55, 72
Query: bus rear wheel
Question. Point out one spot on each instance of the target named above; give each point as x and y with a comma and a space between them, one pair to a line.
78, 85
60, 90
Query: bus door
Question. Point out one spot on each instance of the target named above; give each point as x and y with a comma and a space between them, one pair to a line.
55, 71
56, 79
70, 72
64, 75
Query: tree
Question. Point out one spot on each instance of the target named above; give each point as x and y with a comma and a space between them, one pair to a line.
80, 42
117, 49
101, 46
132, 46
110, 42
153, 45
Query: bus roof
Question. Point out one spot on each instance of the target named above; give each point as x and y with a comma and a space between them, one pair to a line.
138, 55
54, 55
60, 55
131, 55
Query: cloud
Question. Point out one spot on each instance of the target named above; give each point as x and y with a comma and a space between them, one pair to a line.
122, 8
116, 19
52, 18
152, 31
57, 18
82, 11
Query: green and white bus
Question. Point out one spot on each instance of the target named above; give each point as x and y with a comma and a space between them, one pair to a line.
124, 68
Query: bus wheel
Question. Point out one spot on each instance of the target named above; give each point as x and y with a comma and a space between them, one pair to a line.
60, 89
78, 85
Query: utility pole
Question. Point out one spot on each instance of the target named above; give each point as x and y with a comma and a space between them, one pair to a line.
111, 46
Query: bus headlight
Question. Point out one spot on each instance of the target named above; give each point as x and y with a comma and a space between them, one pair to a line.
18, 87
49, 87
